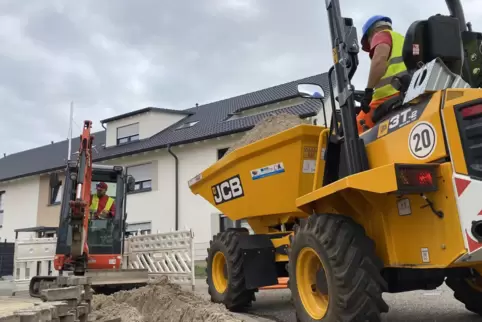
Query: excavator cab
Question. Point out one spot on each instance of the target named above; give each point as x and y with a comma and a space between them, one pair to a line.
105, 236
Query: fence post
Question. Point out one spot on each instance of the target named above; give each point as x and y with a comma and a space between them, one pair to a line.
193, 264
3, 250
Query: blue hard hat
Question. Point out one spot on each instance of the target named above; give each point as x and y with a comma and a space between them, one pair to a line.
366, 27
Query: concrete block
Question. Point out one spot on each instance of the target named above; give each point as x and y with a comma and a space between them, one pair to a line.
45, 314
63, 293
61, 308
68, 318
9, 318
72, 304
29, 316
88, 295
77, 280
62, 280
83, 309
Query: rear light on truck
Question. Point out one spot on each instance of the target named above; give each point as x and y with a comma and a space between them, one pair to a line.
416, 178
471, 111
469, 122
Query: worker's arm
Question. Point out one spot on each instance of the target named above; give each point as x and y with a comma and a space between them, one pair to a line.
380, 50
379, 65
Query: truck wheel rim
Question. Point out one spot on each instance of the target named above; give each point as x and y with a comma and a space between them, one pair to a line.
307, 266
219, 279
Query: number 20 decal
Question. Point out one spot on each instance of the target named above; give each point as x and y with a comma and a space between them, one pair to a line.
422, 140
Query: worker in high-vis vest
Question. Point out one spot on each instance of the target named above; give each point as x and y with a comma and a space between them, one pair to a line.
385, 50
101, 205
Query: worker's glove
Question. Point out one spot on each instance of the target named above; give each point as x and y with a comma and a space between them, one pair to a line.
366, 100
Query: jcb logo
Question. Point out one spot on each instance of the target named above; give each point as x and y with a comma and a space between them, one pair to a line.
227, 190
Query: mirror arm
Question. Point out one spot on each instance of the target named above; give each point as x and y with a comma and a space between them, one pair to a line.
333, 103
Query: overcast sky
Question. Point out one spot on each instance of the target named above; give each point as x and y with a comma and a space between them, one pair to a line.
115, 56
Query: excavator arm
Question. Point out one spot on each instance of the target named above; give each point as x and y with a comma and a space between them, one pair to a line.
79, 207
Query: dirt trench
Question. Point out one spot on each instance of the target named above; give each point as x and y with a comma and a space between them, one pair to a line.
160, 301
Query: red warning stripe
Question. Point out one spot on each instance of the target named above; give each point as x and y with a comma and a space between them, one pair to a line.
480, 213
461, 185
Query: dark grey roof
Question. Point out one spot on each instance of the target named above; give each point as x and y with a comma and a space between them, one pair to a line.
144, 110
211, 120
43, 159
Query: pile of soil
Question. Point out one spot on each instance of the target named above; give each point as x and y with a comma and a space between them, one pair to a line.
158, 301
270, 125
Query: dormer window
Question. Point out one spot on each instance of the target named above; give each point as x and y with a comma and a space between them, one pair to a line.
186, 125
128, 133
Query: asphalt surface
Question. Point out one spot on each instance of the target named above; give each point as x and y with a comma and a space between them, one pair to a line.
420, 306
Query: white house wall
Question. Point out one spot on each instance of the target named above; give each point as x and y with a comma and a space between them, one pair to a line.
20, 206
150, 123
158, 205
196, 212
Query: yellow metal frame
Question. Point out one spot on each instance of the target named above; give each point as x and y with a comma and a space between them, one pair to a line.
369, 197
307, 265
220, 281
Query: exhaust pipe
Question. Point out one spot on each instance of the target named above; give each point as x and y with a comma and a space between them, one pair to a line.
477, 230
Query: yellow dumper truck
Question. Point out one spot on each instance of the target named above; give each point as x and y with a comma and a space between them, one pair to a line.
348, 217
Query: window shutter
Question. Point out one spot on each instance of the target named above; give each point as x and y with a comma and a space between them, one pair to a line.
140, 172
129, 130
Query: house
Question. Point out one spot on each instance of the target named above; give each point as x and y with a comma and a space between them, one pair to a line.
157, 145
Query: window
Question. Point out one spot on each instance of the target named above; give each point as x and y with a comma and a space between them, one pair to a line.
188, 124
222, 152
143, 228
142, 176
128, 133
55, 195
2, 203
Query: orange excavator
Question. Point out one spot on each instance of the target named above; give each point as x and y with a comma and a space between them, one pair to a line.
87, 246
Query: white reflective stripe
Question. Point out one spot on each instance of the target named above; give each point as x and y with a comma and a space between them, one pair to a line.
388, 80
469, 205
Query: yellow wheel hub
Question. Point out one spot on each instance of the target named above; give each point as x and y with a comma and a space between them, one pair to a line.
307, 267
219, 278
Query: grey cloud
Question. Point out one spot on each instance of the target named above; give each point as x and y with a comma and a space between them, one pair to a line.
111, 57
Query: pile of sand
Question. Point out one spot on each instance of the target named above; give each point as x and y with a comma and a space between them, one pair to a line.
158, 301
268, 126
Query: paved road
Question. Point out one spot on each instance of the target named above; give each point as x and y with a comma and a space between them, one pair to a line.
420, 306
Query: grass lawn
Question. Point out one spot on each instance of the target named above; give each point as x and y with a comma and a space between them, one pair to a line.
200, 271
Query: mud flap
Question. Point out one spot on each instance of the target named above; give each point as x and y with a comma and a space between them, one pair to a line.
259, 261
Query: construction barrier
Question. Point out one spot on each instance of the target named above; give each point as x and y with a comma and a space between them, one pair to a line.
33, 257
170, 254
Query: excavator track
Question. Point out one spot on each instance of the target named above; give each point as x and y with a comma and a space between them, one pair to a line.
39, 283
101, 281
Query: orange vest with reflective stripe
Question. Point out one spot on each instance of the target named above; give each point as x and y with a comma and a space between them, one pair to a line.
396, 67
95, 204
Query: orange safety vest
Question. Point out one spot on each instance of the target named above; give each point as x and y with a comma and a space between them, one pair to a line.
396, 67
95, 204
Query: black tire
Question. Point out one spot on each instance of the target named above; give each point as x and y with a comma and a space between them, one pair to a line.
466, 293
352, 269
236, 297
